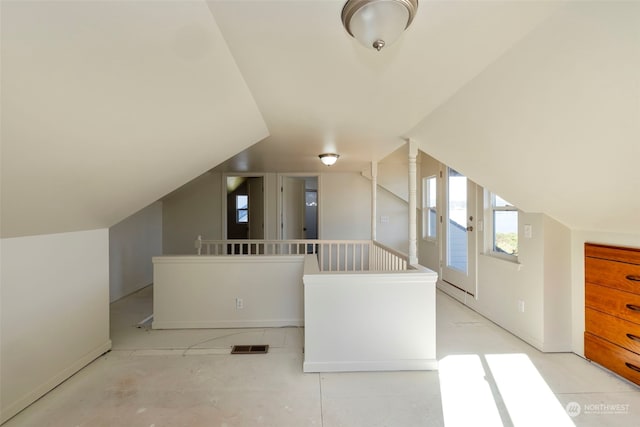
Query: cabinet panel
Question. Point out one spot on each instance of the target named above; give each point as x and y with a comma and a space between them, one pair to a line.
618, 331
621, 361
618, 275
617, 303
614, 253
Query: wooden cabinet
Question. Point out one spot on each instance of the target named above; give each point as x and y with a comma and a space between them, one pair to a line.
612, 309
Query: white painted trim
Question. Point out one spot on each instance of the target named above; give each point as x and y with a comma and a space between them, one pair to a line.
374, 200
374, 277
413, 198
228, 324
226, 259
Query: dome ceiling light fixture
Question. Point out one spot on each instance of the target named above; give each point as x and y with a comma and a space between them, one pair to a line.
378, 23
329, 158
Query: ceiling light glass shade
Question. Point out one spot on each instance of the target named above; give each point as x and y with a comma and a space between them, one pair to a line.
328, 158
378, 23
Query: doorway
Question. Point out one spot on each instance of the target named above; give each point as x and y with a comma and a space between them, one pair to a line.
299, 207
459, 242
245, 207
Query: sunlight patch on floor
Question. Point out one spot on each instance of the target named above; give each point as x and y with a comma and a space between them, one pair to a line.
497, 390
528, 398
466, 395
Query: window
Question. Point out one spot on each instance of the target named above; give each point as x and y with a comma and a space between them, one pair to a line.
242, 209
429, 208
505, 227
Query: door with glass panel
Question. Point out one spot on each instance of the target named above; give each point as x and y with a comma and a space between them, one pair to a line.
459, 242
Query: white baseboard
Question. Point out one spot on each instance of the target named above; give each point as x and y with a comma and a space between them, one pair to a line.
226, 324
15, 407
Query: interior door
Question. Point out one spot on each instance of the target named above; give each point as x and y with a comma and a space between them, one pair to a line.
293, 207
256, 208
459, 242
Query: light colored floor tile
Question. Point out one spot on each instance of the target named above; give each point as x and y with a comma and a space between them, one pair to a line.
374, 411
169, 389
188, 378
381, 399
603, 409
570, 373
380, 384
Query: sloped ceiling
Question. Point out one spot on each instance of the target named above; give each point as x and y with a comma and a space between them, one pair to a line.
107, 106
320, 91
553, 126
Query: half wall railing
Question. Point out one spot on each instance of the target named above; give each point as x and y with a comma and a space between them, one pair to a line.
333, 255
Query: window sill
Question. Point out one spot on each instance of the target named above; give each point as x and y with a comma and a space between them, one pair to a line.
514, 265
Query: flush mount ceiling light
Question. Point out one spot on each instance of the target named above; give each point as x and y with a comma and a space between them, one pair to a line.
378, 23
328, 158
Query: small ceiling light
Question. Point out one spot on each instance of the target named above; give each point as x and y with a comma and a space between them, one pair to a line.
378, 23
328, 158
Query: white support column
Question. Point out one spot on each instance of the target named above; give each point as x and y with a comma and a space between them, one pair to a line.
413, 198
374, 199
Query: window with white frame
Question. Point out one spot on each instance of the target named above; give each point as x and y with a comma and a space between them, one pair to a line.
504, 227
242, 208
429, 208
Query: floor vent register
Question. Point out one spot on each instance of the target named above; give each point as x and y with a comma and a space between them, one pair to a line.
250, 349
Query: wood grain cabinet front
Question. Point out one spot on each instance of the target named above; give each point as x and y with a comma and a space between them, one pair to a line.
612, 309
623, 362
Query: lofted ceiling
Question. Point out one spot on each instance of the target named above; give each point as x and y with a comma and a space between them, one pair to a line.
553, 125
108, 106
320, 91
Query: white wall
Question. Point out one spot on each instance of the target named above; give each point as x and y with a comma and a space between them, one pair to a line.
392, 221
196, 209
578, 239
395, 325
557, 286
501, 284
201, 291
192, 210
132, 244
541, 278
393, 172
54, 296
345, 205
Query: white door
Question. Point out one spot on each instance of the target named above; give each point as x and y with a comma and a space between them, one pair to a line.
459, 242
293, 202
256, 208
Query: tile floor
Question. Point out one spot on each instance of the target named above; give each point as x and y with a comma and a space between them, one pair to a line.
187, 378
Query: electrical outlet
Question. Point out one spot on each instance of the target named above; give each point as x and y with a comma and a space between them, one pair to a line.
521, 306
239, 303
